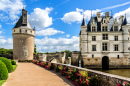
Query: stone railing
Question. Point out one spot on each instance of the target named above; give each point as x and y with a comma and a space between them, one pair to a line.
105, 78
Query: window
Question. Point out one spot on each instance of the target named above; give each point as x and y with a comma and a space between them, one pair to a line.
31, 31
14, 30
26, 31
104, 28
118, 57
88, 59
116, 47
93, 47
115, 28
93, 38
104, 21
105, 36
116, 38
93, 29
20, 31
104, 46
92, 56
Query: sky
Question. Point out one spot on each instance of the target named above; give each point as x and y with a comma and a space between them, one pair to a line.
57, 22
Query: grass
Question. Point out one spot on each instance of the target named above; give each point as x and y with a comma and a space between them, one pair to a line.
1, 82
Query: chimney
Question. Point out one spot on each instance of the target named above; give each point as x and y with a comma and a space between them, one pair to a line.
99, 16
107, 14
121, 19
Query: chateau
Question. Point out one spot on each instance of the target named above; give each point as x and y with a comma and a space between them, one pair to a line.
23, 38
105, 42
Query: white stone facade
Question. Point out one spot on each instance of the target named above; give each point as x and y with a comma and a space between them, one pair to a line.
104, 36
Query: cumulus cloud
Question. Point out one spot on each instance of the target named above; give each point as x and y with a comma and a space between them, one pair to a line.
0, 32
11, 8
127, 12
68, 35
51, 44
40, 17
48, 32
6, 43
77, 16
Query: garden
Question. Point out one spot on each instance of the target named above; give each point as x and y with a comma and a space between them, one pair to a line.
79, 78
6, 66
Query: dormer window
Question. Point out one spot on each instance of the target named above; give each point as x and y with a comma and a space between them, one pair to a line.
115, 28
104, 28
93, 28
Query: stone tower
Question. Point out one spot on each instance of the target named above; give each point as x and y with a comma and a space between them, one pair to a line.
23, 38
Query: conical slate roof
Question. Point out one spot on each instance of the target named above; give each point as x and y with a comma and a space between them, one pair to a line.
20, 24
125, 21
83, 22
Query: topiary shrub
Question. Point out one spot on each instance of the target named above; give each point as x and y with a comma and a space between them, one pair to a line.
3, 71
7, 63
13, 62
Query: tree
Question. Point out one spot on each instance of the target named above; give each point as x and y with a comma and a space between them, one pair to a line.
68, 53
35, 50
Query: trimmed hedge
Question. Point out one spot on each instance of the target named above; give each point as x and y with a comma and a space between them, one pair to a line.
3, 71
7, 63
13, 62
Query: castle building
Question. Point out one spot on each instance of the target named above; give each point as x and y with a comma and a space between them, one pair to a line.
23, 38
105, 42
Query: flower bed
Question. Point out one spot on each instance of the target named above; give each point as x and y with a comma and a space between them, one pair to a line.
79, 78
24, 60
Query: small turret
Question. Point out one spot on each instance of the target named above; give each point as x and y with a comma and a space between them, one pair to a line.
125, 21
83, 22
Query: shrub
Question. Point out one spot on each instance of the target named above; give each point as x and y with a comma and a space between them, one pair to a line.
13, 62
7, 63
3, 71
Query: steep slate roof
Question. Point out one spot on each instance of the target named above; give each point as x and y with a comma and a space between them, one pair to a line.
125, 21
111, 21
20, 25
83, 22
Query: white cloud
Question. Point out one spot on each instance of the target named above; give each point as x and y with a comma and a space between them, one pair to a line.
68, 35
51, 44
11, 7
0, 32
40, 17
127, 12
48, 32
6, 43
77, 16
0, 26
115, 6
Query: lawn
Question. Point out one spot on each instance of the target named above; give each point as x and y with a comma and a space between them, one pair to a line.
1, 82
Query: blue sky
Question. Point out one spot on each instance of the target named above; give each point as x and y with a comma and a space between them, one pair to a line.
57, 22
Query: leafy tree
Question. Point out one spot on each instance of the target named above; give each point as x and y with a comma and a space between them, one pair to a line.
68, 53
35, 50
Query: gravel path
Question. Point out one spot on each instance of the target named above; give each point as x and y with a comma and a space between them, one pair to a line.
29, 74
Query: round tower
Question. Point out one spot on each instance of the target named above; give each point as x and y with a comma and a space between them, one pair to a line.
23, 38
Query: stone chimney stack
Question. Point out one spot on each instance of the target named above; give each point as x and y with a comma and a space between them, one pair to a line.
99, 16
121, 19
107, 14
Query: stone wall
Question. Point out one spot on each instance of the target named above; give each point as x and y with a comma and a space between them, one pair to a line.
105, 78
75, 58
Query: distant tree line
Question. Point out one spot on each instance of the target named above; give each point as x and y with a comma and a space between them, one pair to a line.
68, 53
6, 51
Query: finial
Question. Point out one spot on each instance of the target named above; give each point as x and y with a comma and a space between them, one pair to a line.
83, 15
91, 13
111, 13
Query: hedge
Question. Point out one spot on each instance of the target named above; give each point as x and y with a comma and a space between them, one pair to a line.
13, 62
7, 63
3, 71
